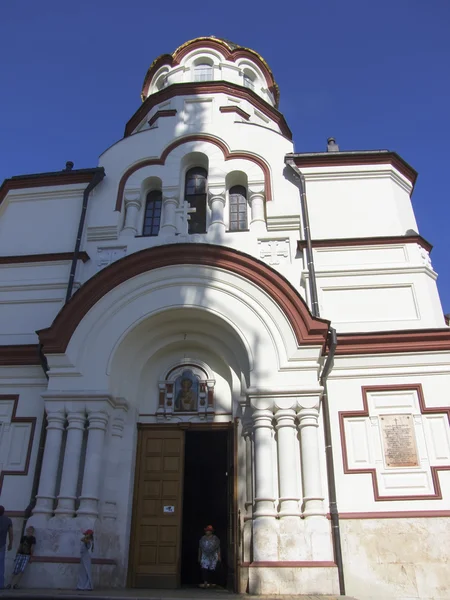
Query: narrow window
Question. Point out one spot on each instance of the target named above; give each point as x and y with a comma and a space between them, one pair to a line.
152, 216
203, 72
248, 82
238, 208
195, 194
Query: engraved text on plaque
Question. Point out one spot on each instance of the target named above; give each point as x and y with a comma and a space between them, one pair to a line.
399, 441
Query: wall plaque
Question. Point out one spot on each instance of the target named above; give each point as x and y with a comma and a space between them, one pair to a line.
399, 441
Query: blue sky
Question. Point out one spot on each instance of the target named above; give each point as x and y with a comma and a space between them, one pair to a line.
375, 75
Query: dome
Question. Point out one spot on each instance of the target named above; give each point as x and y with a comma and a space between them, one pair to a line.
206, 59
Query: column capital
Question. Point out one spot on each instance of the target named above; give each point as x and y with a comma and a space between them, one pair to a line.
285, 418
133, 197
56, 419
97, 419
76, 419
262, 418
216, 194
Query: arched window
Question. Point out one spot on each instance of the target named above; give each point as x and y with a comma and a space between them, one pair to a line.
238, 208
152, 216
195, 194
203, 72
248, 82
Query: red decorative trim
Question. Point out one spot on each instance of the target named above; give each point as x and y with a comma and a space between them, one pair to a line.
437, 493
162, 113
290, 564
71, 560
207, 87
25, 354
31, 258
387, 342
405, 514
43, 180
15, 419
308, 330
235, 109
367, 241
344, 159
215, 44
200, 137
13, 514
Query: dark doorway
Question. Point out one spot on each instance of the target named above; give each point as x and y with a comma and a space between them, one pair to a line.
205, 499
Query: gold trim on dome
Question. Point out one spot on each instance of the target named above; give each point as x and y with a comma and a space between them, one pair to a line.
231, 46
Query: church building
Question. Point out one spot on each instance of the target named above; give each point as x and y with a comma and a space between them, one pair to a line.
209, 328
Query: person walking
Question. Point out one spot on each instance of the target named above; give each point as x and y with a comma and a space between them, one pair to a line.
23, 557
85, 572
6, 529
208, 556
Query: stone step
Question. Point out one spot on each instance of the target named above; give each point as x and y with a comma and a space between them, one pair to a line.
134, 594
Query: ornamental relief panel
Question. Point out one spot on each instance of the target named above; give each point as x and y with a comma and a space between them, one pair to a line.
187, 390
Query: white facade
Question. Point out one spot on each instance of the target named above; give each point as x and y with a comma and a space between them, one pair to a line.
235, 308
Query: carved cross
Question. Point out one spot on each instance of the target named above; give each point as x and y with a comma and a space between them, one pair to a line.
183, 216
273, 250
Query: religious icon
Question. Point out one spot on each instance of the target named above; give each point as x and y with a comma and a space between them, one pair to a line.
186, 392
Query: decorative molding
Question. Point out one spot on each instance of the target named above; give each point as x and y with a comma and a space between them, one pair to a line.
401, 514
106, 232
162, 113
229, 53
73, 560
52, 257
207, 87
308, 330
289, 564
387, 342
367, 241
46, 180
437, 492
345, 159
283, 222
14, 419
200, 137
19, 355
235, 109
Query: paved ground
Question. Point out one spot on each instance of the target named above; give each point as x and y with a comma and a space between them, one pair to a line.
133, 594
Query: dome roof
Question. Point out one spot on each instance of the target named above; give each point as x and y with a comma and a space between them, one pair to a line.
230, 51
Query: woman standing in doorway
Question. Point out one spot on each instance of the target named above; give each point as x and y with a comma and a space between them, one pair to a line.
85, 572
208, 556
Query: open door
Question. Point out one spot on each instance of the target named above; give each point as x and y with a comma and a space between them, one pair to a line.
231, 507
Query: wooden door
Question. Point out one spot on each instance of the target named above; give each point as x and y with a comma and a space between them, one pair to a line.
155, 552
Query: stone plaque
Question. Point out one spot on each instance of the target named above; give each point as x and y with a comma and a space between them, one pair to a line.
399, 441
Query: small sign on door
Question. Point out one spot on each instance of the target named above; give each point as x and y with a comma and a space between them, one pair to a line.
169, 509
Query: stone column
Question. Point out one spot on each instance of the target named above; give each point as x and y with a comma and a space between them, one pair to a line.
71, 466
89, 498
217, 206
256, 199
47, 484
287, 463
309, 442
133, 203
168, 216
265, 543
117, 427
247, 528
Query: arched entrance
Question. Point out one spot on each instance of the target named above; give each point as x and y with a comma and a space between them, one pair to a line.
118, 353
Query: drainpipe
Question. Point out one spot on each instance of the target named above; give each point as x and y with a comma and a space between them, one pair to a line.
334, 513
97, 178
300, 182
299, 179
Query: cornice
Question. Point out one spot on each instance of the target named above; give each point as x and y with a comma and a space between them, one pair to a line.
207, 87
41, 258
364, 158
368, 241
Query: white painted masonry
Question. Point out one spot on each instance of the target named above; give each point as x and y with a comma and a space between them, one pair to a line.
236, 305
